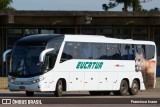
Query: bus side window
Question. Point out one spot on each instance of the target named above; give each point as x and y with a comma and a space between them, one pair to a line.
76, 50
132, 52
66, 54
108, 51
49, 61
55, 44
101, 51
123, 52
150, 52
127, 52
115, 53
86, 51
140, 49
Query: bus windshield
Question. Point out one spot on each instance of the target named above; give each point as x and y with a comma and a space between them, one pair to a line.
24, 61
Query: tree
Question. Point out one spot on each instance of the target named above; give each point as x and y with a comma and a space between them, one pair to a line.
114, 3
134, 4
156, 9
5, 5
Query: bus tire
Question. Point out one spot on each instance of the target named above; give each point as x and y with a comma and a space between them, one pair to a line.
124, 88
59, 89
134, 88
29, 93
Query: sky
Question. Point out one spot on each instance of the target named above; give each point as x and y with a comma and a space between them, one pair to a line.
69, 5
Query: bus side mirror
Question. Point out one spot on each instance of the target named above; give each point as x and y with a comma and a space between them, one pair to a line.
5, 54
43, 54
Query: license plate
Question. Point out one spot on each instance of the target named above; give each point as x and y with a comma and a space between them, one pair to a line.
22, 87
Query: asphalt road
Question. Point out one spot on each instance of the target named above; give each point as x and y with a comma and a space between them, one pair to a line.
152, 93
83, 99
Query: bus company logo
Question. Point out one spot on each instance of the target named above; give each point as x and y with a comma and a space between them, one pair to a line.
6, 101
89, 65
118, 65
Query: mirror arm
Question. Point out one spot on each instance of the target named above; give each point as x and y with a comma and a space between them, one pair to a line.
43, 53
5, 54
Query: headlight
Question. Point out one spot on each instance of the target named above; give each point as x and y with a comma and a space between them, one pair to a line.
38, 80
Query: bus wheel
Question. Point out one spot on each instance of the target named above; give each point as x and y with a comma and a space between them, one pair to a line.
134, 88
59, 89
123, 88
29, 93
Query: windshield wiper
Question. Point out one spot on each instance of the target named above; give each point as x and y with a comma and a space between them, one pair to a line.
19, 71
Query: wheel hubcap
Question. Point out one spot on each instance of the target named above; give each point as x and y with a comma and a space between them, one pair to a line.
123, 88
60, 87
135, 87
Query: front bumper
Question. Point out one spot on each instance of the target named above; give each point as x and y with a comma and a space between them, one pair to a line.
31, 87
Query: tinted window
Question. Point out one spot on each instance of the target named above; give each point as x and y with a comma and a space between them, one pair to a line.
67, 52
49, 62
140, 49
113, 52
55, 44
150, 51
127, 52
81, 50
86, 51
99, 51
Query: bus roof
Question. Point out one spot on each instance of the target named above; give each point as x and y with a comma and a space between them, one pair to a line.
103, 39
38, 40
42, 39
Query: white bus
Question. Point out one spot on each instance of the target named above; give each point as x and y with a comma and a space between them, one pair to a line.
97, 64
